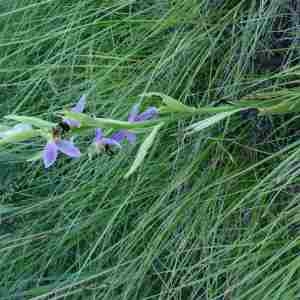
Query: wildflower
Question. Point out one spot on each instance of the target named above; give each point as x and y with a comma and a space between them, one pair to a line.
55, 145
78, 108
19, 128
133, 117
103, 143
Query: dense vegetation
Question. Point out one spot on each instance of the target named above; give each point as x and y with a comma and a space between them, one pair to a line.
213, 215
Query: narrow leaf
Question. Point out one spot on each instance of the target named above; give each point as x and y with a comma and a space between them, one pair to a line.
19, 137
283, 107
210, 121
143, 150
34, 121
172, 104
4, 209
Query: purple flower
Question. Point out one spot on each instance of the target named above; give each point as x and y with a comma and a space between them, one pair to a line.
100, 141
56, 145
133, 117
78, 108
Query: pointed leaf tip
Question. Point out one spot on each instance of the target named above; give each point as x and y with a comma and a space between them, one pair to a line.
143, 150
172, 105
198, 126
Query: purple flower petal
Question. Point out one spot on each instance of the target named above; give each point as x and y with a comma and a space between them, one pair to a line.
50, 154
79, 107
112, 142
119, 136
133, 113
68, 148
98, 135
148, 114
131, 137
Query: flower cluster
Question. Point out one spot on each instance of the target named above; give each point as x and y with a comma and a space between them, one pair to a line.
57, 144
76, 122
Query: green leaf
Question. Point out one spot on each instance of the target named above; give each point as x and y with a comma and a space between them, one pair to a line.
143, 150
87, 121
36, 156
19, 137
287, 106
4, 209
256, 103
172, 104
210, 121
34, 121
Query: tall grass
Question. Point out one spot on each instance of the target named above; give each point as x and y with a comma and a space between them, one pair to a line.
214, 215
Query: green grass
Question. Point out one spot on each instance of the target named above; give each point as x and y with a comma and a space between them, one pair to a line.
213, 215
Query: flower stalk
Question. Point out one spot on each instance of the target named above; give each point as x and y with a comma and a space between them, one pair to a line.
153, 117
